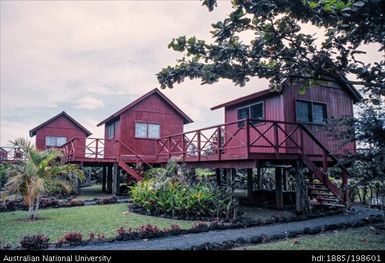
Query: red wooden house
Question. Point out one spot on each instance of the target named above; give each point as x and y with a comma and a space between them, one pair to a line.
281, 129
57, 131
142, 122
324, 101
131, 133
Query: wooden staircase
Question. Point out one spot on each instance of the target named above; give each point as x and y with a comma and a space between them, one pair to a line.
130, 171
321, 190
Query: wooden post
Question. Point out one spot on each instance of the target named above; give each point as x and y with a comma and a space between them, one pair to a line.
278, 187
104, 175
199, 145
247, 138
109, 179
284, 179
299, 191
259, 179
345, 188
115, 179
219, 142
218, 174
250, 184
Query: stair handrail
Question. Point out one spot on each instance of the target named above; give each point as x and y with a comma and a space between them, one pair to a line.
323, 147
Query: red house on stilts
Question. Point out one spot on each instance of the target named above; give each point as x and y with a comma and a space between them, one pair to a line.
282, 129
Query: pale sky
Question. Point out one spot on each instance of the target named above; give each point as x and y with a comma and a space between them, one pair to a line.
91, 58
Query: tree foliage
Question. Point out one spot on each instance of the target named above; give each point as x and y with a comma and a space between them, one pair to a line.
280, 49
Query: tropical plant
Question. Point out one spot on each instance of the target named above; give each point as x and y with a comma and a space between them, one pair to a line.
182, 198
30, 175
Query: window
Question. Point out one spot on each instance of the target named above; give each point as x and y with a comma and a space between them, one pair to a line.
140, 130
55, 141
311, 112
319, 113
153, 131
147, 130
111, 130
254, 112
304, 111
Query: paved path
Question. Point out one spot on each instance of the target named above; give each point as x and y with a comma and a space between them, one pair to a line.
219, 236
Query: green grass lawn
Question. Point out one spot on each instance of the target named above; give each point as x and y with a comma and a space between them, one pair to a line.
363, 238
55, 222
91, 192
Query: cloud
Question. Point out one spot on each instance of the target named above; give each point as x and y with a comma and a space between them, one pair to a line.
89, 103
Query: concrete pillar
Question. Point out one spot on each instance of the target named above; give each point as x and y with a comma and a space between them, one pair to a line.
115, 179
278, 187
250, 184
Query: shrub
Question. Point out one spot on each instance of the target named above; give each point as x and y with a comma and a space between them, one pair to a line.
49, 202
73, 238
177, 197
75, 202
34, 242
154, 172
149, 231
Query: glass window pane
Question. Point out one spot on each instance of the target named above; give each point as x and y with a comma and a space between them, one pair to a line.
243, 114
50, 141
60, 141
319, 113
256, 112
111, 131
154, 131
140, 130
303, 111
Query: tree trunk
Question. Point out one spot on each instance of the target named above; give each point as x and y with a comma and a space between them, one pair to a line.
30, 210
36, 208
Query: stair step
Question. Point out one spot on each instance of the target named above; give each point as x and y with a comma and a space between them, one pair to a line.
328, 204
317, 188
328, 199
323, 194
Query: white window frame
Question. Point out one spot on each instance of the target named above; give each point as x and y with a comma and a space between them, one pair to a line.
55, 138
147, 124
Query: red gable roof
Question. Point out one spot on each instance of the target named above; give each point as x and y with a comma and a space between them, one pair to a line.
186, 119
260, 94
62, 114
356, 96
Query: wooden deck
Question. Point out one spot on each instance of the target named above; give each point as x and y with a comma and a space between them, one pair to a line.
240, 144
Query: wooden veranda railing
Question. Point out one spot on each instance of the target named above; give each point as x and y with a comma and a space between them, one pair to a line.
247, 138
11, 154
97, 149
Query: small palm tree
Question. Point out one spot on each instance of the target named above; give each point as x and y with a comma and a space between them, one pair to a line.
35, 170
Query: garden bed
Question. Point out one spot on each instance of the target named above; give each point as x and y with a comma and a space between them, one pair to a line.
277, 216
53, 202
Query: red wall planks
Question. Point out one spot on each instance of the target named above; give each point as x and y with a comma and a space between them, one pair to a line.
338, 103
153, 109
